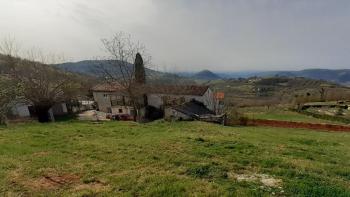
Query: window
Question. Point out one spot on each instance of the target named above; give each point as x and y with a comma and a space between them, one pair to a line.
109, 110
120, 110
127, 101
119, 98
105, 95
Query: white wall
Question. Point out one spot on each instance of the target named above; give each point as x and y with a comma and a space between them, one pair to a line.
207, 99
154, 100
21, 110
59, 109
103, 102
125, 110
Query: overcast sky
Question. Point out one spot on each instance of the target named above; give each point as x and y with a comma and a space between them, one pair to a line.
186, 35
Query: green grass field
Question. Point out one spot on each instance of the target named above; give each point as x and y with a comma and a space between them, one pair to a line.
171, 159
280, 114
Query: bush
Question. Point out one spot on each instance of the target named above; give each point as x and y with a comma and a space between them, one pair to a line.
340, 112
236, 118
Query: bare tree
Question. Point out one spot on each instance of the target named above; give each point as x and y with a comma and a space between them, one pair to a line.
119, 70
43, 85
322, 92
10, 92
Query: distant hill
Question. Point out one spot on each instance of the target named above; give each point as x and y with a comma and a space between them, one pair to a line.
338, 76
206, 75
341, 76
93, 68
88, 67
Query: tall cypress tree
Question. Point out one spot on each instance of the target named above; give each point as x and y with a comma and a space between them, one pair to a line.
140, 75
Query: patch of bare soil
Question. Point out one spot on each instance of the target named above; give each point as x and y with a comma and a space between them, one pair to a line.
92, 115
41, 154
49, 181
54, 181
265, 179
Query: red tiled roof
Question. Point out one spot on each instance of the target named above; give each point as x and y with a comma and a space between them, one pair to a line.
158, 89
107, 87
179, 90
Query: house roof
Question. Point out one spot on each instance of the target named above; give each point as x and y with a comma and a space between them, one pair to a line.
179, 90
193, 108
157, 89
107, 87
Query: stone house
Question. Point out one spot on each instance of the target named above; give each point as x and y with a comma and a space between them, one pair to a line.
111, 98
165, 96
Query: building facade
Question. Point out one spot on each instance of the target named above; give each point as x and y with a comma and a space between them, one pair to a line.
111, 98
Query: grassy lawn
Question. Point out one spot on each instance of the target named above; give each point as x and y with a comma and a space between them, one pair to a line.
280, 114
171, 159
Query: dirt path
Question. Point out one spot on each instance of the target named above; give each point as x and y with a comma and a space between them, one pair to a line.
92, 115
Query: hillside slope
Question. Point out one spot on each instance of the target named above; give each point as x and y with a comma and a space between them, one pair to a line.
275, 90
171, 159
341, 76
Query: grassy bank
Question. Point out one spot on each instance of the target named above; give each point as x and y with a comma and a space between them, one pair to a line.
273, 113
171, 159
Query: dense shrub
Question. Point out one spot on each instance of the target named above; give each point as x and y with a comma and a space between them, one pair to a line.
236, 118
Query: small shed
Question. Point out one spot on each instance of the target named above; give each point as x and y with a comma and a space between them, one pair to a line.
191, 110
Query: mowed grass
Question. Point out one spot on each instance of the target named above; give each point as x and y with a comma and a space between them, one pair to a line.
281, 114
171, 159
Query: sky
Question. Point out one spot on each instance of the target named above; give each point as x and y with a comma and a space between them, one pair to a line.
190, 35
